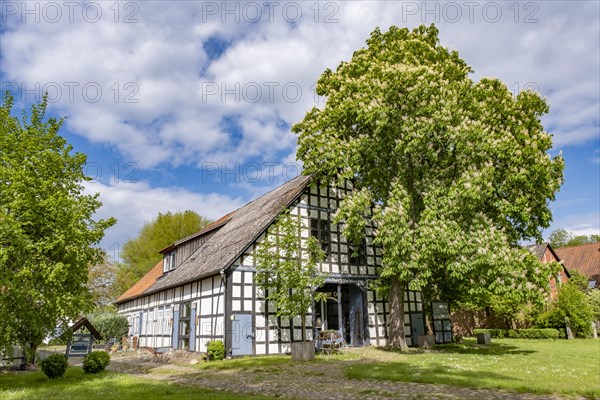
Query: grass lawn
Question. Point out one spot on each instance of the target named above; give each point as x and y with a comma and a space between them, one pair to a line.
279, 363
570, 368
538, 366
103, 386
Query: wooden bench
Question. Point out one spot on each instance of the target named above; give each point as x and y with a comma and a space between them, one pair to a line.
22, 366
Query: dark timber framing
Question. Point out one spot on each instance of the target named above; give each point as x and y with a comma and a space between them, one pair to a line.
216, 273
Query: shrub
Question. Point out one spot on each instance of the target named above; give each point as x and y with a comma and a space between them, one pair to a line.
494, 333
575, 306
533, 334
54, 366
95, 362
594, 300
215, 350
552, 318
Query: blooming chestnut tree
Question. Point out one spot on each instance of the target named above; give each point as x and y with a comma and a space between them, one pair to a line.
454, 172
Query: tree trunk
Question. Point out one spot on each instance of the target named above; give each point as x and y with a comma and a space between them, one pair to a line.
303, 327
428, 323
396, 336
31, 352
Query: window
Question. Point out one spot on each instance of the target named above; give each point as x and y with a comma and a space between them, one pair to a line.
442, 326
169, 262
167, 321
185, 325
360, 257
161, 322
320, 230
131, 320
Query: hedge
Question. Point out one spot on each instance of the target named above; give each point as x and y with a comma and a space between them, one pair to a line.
546, 333
494, 333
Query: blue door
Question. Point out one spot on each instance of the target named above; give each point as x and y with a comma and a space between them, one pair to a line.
242, 336
356, 316
417, 327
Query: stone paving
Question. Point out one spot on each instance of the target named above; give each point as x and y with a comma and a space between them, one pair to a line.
308, 381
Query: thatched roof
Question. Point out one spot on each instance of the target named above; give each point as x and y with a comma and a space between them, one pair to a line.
242, 228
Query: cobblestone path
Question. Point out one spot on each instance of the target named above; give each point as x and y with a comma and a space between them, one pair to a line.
306, 381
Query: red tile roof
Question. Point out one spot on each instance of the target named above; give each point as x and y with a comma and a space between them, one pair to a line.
584, 258
140, 286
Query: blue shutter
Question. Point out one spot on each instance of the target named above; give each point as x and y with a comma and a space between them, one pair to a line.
174, 343
193, 329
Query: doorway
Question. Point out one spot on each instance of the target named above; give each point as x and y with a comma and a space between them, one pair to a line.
242, 338
342, 311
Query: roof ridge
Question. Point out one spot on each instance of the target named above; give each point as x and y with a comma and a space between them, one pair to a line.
230, 241
578, 245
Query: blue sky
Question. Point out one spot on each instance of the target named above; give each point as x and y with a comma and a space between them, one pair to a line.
188, 105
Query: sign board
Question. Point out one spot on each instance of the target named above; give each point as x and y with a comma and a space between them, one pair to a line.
80, 345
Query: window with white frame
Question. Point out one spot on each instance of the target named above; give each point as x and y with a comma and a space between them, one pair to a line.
131, 320
160, 322
169, 262
136, 324
167, 321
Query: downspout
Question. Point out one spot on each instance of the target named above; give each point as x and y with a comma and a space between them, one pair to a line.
212, 315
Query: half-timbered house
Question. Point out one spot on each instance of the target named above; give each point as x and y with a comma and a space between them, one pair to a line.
204, 288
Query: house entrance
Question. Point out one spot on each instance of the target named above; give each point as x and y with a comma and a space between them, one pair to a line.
343, 311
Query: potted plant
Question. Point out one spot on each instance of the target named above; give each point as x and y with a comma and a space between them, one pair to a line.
287, 272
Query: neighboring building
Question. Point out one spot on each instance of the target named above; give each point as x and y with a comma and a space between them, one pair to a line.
204, 289
584, 258
547, 254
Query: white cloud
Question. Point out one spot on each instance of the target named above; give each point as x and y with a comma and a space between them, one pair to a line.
159, 107
175, 120
577, 224
134, 204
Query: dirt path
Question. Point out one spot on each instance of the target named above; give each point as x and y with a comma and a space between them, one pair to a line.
305, 381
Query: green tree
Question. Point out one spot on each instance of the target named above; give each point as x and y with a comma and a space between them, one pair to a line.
559, 238
101, 283
286, 269
456, 171
574, 305
47, 231
563, 238
594, 302
580, 280
111, 325
515, 310
141, 253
